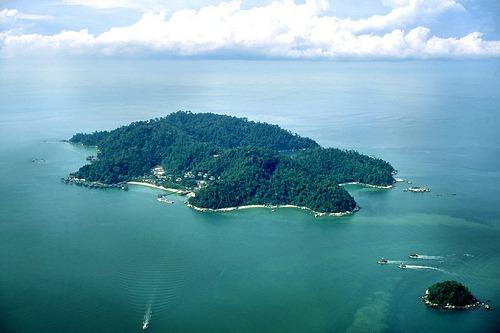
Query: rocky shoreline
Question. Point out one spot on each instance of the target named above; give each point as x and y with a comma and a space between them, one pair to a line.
475, 305
93, 184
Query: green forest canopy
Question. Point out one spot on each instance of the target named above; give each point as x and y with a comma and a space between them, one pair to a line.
450, 292
236, 161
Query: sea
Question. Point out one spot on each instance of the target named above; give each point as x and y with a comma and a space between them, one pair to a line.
74, 259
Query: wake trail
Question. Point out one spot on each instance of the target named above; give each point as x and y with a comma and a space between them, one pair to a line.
427, 257
428, 268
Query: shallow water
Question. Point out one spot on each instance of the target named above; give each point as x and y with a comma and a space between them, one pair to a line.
81, 260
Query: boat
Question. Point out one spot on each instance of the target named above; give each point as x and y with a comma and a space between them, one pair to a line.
418, 189
145, 322
165, 200
414, 256
382, 261
402, 265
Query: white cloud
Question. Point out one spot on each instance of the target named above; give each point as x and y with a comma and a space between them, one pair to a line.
405, 12
6, 14
279, 29
101, 4
140, 5
9, 15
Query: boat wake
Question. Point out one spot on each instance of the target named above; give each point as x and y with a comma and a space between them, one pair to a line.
394, 262
152, 288
425, 267
416, 267
426, 257
147, 317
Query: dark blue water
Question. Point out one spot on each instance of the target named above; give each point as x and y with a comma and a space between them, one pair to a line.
80, 260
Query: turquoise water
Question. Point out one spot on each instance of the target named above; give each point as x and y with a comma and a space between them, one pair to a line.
80, 260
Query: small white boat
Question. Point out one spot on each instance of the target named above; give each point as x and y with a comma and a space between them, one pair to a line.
147, 317
418, 189
382, 261
402, 265
414, 256
164, 200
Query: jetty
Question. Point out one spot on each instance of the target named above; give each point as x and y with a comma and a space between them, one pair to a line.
417, 189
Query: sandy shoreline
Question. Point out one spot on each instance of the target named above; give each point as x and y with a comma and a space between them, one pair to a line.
228, 209
367, 185
174, 190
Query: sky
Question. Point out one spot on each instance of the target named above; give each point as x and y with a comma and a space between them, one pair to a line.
300, 29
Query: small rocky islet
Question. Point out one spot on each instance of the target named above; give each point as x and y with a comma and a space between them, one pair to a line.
452, 295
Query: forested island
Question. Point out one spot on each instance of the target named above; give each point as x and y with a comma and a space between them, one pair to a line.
451, 295
224, 161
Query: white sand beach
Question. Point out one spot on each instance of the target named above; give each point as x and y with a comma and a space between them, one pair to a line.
367, 185
228, 209
156, 186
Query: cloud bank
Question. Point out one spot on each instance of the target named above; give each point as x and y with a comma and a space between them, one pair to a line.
282, 29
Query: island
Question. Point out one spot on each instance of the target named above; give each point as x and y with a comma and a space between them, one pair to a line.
223, 162
451, 295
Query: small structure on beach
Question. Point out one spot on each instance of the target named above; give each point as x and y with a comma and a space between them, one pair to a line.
159, 172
